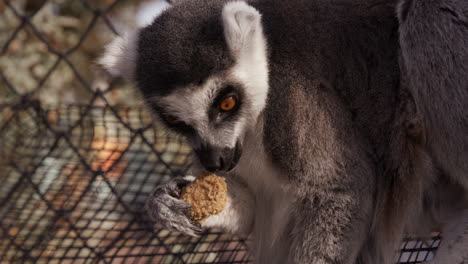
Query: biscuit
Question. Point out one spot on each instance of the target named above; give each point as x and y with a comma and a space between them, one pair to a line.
207, 195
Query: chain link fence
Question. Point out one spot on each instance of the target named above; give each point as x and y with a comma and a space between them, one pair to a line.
78, 152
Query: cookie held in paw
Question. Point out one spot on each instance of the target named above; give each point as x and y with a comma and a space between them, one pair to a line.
207, 195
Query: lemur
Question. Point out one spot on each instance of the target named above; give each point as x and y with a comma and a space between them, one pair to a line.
336, 124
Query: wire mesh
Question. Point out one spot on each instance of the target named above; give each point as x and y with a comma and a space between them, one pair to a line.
414, 250
78, 157
74, 182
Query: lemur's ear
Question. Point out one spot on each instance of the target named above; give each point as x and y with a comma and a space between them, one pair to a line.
242, 29
120, 55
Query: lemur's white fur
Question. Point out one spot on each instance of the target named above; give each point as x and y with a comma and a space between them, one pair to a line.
190, 105
244, 36
121, 54
266, 211
237, 216
272, 202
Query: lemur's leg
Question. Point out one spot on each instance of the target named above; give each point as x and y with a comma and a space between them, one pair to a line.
329, 229
328, 167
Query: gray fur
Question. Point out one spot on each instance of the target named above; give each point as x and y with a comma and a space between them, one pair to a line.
438, 77
363, 129
165, 207
170, 39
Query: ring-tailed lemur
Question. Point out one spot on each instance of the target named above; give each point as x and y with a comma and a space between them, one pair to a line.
335, 123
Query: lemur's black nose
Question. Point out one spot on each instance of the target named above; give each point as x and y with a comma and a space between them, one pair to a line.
213, 167
215, 159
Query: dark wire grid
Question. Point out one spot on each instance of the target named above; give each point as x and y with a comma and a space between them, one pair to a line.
83, 200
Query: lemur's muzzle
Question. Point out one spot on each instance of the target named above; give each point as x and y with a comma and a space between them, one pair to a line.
219, 159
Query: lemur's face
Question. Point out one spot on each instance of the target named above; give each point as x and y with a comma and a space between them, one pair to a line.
203, 72
213, 115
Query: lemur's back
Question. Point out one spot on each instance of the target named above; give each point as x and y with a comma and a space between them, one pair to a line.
352, 47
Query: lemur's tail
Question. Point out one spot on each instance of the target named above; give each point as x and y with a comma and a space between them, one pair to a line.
431, 128
434, 59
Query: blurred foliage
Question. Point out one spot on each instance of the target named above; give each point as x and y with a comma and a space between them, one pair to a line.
49, 49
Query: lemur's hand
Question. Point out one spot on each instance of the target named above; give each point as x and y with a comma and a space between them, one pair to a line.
164, 206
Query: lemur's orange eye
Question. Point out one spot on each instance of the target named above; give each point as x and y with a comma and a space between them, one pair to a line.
228, 103
170, 119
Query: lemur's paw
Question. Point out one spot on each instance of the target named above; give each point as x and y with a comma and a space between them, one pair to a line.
164, 206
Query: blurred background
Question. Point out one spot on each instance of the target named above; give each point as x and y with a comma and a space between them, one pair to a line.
78, 151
